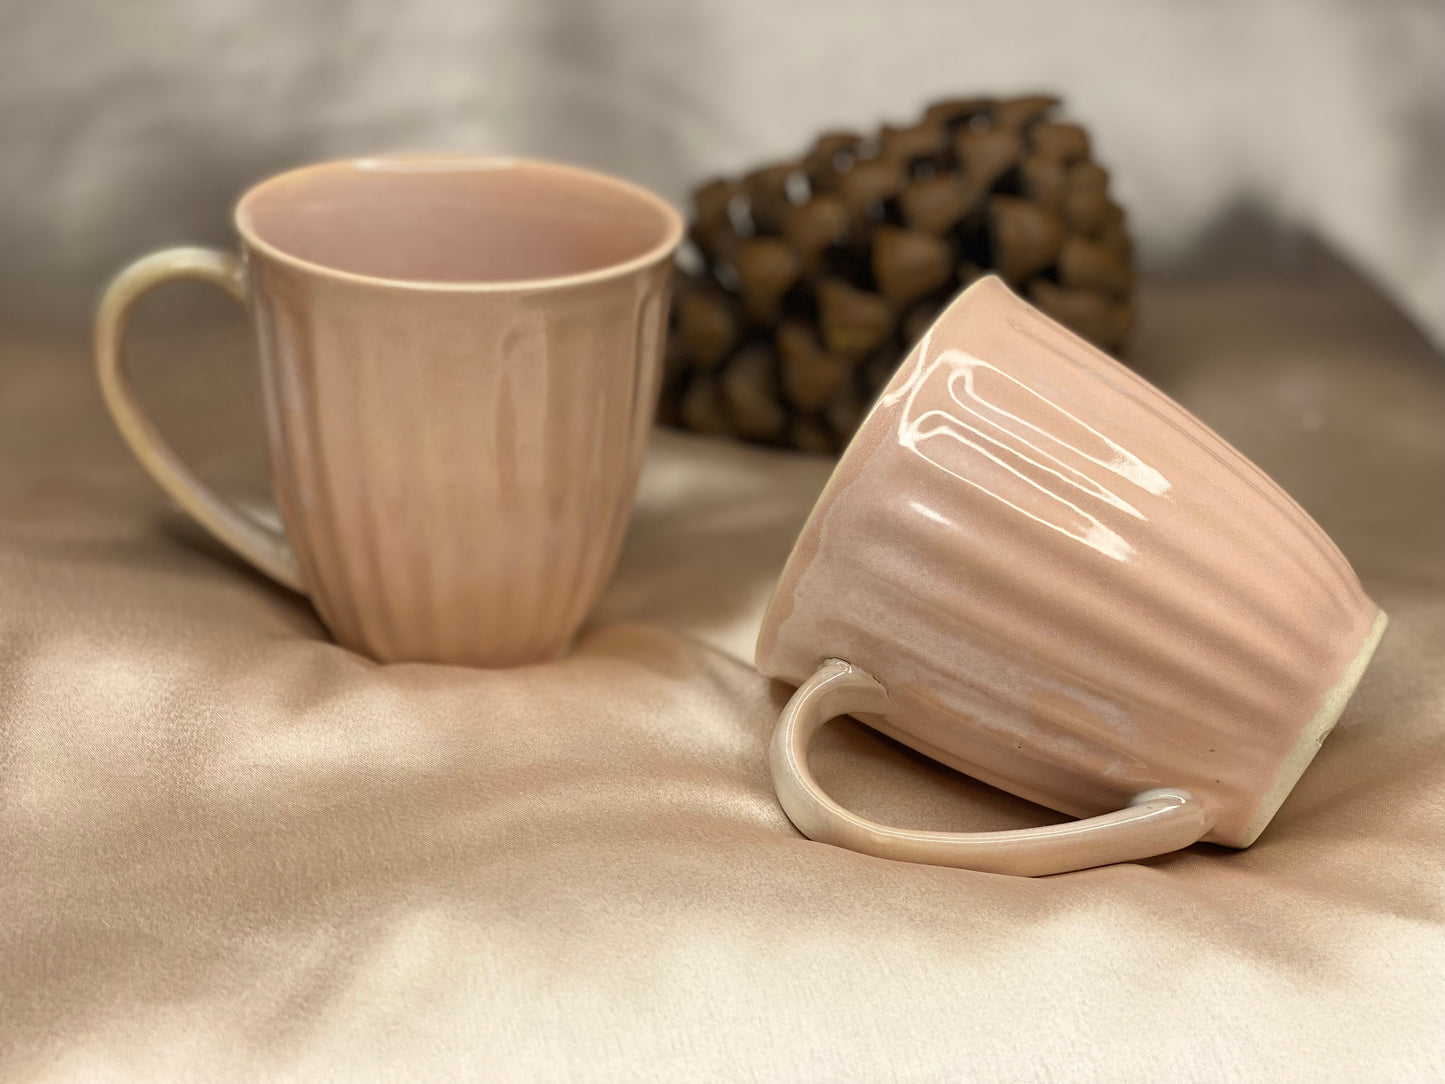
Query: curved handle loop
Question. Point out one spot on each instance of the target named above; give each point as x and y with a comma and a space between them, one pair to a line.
1155, 822
259, 544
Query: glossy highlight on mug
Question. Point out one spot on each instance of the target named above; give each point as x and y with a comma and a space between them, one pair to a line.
1045, 482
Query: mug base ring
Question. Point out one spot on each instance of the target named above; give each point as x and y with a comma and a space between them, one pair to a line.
1314, 733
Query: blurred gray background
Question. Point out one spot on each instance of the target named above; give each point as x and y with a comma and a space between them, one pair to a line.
125, 126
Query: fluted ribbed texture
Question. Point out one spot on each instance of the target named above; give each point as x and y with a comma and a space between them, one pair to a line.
1071, 588
456, 468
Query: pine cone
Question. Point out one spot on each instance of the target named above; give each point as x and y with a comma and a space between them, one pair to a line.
806, 282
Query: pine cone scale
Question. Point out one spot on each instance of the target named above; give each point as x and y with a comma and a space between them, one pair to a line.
814, 276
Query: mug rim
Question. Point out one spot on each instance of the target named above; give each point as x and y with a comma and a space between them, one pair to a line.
674, 227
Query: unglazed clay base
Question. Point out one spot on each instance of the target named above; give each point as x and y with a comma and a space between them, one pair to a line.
1316, 731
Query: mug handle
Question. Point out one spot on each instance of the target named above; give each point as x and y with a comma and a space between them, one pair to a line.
261, 545
1155, 822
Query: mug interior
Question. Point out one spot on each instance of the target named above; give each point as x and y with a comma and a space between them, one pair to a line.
457, 220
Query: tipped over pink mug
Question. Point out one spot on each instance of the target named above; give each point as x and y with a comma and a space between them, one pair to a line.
1035, 567
460, 360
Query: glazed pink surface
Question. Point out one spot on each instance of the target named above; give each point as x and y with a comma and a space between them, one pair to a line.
454, 455
1069, 586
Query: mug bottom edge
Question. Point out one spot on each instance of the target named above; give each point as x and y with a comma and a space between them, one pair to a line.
1314, 733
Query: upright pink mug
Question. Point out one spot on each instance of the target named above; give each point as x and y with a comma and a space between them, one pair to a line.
1033, 566
460, 358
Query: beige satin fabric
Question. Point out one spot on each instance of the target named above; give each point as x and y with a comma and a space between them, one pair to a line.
230, 849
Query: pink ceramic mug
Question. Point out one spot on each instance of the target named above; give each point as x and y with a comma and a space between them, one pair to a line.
459, 358
1032, 565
